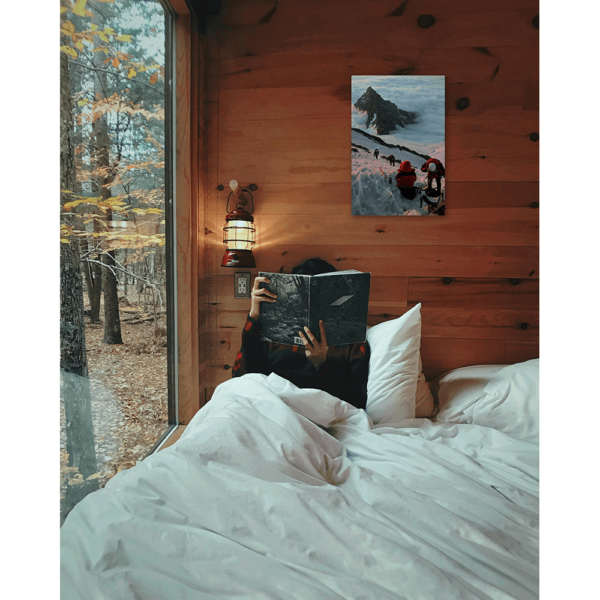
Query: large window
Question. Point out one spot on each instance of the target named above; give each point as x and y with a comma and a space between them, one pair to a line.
118, 395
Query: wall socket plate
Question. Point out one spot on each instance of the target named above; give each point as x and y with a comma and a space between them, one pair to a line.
241, 284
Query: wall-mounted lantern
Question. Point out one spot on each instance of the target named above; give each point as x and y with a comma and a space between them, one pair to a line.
239, 231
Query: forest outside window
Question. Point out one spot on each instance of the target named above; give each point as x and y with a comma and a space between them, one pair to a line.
118, 397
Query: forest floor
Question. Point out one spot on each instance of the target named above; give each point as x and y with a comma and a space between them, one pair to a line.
129, 396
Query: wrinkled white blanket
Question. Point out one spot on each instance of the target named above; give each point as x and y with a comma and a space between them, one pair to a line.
280, 492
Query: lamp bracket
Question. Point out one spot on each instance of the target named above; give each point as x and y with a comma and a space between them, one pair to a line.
241, 204
253, 187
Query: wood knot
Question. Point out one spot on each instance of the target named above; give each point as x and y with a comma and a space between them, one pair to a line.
268, 16
404, 71
515, 281
534, 137
535, 205
221, 187
227, 367
447, 280
462, 103
398, 12
524, 326
425, 21
386, 315
536, 22
380, 230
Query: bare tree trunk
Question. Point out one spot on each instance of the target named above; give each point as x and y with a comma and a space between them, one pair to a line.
96, 291
93, 282
112, 323
75, 385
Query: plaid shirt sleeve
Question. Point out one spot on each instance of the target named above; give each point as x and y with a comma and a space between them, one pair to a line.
252, 356
348, 380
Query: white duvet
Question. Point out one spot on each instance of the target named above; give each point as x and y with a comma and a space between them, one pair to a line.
279, 492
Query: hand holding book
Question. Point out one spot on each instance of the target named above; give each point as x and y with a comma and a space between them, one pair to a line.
316, 351
259, 295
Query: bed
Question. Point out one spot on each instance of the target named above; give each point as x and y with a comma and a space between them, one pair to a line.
279, 492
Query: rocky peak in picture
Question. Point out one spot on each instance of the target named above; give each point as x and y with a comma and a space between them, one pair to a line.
384, 115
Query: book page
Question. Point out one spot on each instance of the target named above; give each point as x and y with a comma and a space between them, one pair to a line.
342, 303
346, 272
281, 320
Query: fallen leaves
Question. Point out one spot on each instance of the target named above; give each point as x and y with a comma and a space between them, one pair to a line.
129, 399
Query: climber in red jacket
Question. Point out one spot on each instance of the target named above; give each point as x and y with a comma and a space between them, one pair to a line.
405, 179
435, 171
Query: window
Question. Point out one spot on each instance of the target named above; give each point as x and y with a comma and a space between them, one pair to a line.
118, 358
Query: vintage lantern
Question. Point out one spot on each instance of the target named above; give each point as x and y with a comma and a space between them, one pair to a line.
239, 231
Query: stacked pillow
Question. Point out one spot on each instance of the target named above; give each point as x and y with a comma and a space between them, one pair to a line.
396, 388
460, 388
511, 402
505, 398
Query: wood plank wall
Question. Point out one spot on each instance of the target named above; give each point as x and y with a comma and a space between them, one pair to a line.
278, 115
190, 185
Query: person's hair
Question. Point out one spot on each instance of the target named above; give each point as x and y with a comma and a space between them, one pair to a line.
313, 266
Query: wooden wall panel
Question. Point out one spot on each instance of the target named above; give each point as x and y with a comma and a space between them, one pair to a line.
331, 198
247, 12
519, 351
474, 293
411, 261
460, 227
186, 177
440, 355
310, 66
190, 194
278, 115
479, 148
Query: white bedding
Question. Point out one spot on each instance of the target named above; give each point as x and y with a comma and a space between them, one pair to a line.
259, 500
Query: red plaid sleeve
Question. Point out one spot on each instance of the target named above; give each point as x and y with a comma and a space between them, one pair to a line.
253, 354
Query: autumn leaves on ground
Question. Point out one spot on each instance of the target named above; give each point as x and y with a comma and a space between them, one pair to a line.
129, 395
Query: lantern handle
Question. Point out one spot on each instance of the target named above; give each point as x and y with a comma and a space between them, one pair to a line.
241, 204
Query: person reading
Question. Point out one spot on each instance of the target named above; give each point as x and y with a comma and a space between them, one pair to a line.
341, 371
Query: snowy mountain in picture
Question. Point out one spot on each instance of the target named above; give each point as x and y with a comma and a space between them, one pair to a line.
383, 115
398, 128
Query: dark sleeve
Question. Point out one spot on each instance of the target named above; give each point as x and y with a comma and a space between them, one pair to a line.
253, 355
348, 379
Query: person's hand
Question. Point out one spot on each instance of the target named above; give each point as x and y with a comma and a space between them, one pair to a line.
316, 352
259, 295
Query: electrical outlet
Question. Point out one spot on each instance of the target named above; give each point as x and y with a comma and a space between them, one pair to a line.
241, 284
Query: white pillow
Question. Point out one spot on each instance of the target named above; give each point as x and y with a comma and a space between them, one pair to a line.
394, 368
460, 388
424, 405
511, 402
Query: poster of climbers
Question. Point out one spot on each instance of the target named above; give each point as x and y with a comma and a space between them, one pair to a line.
398, 145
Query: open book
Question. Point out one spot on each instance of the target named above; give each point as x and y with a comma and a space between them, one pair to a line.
340, 299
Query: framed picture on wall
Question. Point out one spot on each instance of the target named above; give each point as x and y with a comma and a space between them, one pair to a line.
398, 145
